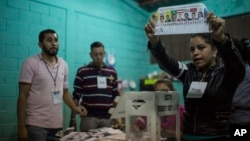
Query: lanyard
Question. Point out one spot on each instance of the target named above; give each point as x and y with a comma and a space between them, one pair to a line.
203, 76
54, 78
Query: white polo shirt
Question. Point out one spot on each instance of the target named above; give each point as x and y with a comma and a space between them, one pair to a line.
41, 111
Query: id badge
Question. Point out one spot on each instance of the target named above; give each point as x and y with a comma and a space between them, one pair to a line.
56, 97
101, 82
196, 89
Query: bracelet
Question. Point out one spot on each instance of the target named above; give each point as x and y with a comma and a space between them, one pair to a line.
224, 40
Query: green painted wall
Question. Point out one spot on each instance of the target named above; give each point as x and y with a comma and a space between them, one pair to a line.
117, 23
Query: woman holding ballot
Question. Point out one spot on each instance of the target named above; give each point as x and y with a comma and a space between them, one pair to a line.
209, 82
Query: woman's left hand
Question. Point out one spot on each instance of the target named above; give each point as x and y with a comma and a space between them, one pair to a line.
217, 26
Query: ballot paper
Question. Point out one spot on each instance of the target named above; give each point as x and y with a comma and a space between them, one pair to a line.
182, 19
99, 134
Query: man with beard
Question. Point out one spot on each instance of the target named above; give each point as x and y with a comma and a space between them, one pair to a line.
43, 85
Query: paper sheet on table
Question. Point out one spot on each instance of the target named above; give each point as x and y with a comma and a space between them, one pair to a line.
182, 19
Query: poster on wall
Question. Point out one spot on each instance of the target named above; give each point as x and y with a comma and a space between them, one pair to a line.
182, 19
110, 59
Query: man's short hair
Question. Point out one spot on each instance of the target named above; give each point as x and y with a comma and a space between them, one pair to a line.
96, 44
43, 32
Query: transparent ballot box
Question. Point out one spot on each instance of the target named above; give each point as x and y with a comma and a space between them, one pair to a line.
149, 115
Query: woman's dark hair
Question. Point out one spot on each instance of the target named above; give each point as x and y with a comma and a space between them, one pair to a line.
206, 36
200, 14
